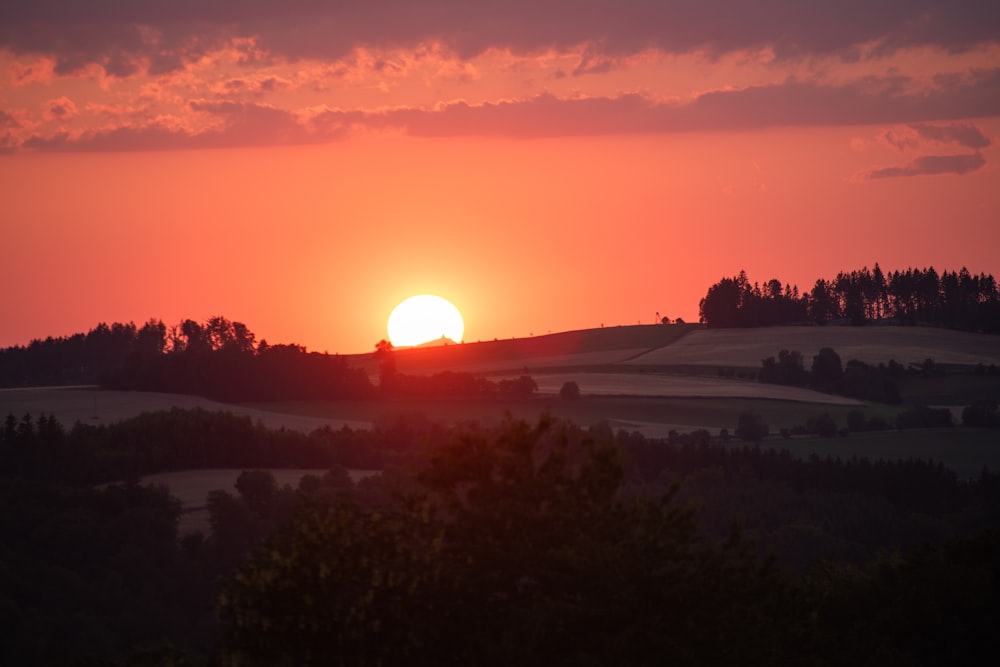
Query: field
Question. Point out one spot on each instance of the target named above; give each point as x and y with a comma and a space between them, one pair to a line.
91, 405
651, 379
871, 344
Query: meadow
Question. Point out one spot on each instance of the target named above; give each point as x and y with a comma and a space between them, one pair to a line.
652, 379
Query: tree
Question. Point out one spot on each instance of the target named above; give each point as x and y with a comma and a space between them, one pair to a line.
515, 546
827, 370
787, 369
570, 391
256, 488
751, 427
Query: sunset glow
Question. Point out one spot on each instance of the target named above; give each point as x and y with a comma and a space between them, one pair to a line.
423, 319
302, 167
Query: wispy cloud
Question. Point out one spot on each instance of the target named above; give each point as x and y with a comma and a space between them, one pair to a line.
924, 141
60, 109
930, 165
962, 134
236, 121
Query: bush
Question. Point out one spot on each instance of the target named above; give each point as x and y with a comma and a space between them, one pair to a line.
981, 414
922, 416
570, 391
822, 425
751, 427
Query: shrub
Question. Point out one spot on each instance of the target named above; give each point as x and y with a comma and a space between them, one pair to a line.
570, 391
751, 427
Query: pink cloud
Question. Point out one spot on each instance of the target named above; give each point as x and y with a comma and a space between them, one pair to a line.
871, 101
8, 120
929, 165
962, 134
60, 109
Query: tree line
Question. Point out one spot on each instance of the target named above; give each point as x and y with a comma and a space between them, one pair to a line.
828, 374
222, 360
955, 299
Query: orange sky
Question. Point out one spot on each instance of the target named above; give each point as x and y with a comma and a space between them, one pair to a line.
303, 171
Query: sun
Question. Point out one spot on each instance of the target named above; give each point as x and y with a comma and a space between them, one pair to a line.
424, 318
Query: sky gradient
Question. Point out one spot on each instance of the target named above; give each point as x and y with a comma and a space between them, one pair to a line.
544, 166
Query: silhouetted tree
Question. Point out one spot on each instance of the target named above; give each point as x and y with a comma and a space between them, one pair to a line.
827, 371
570, 391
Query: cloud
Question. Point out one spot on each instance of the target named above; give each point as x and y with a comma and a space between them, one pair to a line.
125, 35
8, 120
930, 165
233, 125
965, 135
231, 122
917, 135
870, 101
60, 109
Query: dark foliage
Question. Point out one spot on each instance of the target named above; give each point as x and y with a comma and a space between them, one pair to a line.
921, 416
450, 384
982, 414
515, 548
40, 449
569, 391
512, 543
751, 427
734, 302
956, 300
857, 380
219, 359
88, 573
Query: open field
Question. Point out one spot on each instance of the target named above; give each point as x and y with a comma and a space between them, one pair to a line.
681, 413
586, 347
650, 384
650, 379
97, 406
871, 344
684, 360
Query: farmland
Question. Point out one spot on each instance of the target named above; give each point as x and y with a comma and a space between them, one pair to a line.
649, 379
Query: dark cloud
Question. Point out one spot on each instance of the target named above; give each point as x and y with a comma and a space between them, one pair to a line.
239, 125
7, 143
114, 33
965, 135
793, 103
931, 165
7, 120
871, 101
61, 109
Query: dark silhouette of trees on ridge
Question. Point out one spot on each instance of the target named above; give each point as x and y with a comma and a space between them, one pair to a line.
955, 300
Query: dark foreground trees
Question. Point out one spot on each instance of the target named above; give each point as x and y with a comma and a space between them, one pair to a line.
513, 547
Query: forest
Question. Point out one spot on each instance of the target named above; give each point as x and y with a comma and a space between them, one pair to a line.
521, 542
955, 300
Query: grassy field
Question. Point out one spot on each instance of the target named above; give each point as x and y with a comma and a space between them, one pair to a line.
649, 378
96, 406
567, 349
872, 344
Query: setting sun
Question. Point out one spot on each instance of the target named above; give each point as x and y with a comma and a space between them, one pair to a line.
424, 318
